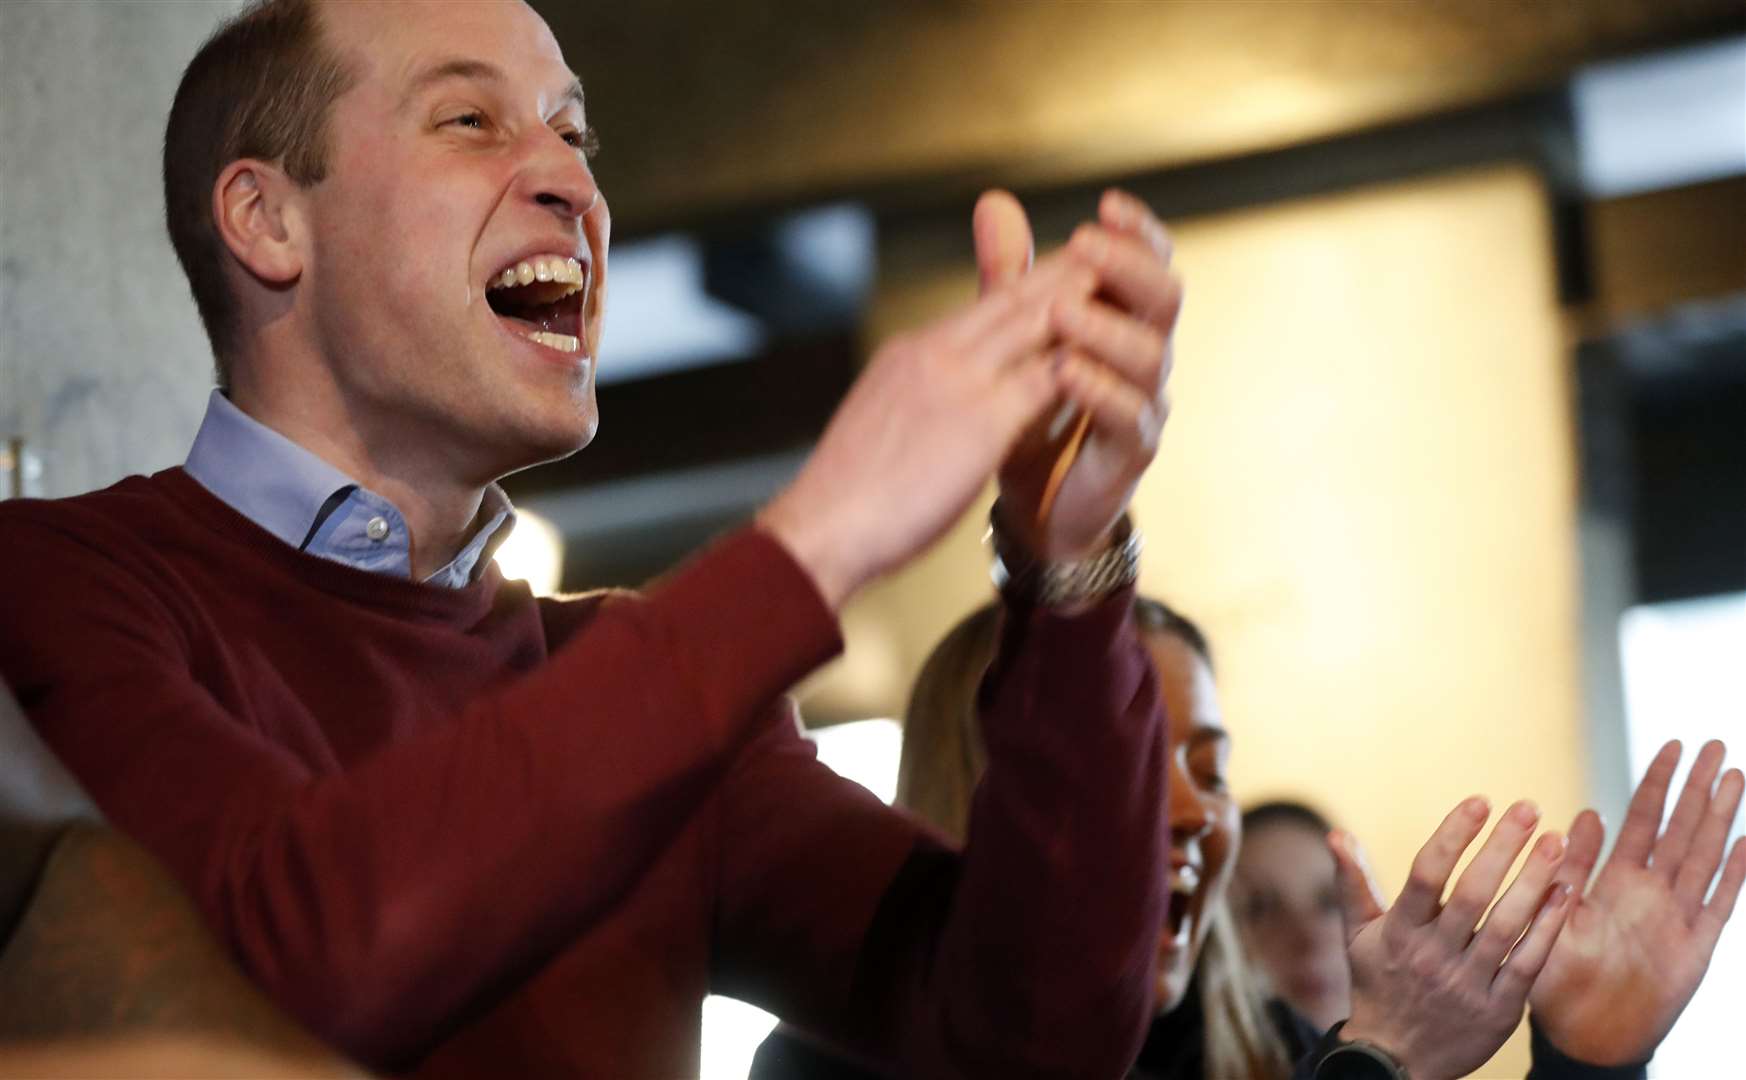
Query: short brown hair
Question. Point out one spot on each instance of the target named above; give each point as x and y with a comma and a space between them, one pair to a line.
261, 87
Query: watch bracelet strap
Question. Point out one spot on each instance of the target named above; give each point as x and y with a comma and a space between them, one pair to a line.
1058, 584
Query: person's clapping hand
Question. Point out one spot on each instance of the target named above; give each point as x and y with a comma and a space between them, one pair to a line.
923, 429
1432, 986
1115, 359
1638, 940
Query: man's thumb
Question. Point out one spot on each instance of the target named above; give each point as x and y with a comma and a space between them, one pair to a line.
1003, 238
1361, 901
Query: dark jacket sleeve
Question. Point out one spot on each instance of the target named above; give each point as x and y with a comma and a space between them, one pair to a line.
341, 892
1550, 1063
1025, 956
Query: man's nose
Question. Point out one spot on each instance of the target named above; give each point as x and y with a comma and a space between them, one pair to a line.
558, 178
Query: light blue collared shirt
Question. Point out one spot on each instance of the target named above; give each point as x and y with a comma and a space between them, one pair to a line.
315, 507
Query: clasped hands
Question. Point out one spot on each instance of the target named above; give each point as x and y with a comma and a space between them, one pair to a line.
1606, 968
943, 408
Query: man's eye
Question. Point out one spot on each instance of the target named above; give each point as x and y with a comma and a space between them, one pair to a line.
587, 141
473, 120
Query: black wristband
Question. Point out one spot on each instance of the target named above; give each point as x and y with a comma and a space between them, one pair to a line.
1340, 1059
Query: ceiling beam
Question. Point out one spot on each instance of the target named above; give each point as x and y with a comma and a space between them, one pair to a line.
709, 109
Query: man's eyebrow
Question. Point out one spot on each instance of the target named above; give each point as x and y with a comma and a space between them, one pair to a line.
458, 67
461, 67
572, 93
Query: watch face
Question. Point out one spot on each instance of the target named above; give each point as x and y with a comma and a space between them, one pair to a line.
1356, 1062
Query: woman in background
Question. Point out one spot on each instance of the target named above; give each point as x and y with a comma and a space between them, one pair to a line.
1607, 985
1212, 1019
1286, 902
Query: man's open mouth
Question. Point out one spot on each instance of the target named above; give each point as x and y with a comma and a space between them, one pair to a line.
541, 299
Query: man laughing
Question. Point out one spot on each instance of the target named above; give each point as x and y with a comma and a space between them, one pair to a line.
459, 830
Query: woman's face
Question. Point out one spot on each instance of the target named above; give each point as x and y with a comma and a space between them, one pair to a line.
1204, 824
1287, 905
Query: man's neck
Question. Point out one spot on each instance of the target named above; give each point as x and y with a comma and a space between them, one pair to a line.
441, 511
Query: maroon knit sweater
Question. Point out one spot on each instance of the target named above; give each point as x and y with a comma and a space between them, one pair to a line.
474, 834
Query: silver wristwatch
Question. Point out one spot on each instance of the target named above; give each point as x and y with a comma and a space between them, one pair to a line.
1063, 584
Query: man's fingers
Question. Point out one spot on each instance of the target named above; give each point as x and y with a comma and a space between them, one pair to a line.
1586, 837
1511, 914
1479, 883
1715, 914
1676, 839
1004, 246
1361, 900
1130, 274
1643, 816
1022, 393
1518, 973
1133, 349
1119, 413
1707, 847
1422, 897
1124, 212
1013, 320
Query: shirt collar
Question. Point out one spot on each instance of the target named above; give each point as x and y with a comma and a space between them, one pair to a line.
311, 505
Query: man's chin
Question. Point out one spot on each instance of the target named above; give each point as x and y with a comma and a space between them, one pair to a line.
550, 446
529, 437
559, 425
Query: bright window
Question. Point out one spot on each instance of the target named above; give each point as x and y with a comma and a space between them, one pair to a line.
1685, 678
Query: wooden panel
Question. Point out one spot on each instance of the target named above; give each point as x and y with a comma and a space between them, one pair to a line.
1651, 252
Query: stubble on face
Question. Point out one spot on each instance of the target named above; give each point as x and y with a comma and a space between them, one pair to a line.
421, 207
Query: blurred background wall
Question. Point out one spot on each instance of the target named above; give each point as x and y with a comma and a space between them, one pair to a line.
103, 365
1460, 422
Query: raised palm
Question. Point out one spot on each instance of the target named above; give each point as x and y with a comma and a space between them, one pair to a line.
1105, 431
1637, 943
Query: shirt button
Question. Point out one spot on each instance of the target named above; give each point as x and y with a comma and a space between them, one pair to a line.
377, 529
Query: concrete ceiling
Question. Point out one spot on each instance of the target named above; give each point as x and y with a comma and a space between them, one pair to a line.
707, 108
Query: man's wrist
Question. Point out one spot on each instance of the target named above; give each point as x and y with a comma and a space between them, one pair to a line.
812, 550
1021, 575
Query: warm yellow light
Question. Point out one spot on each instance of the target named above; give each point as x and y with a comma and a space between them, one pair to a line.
534, 552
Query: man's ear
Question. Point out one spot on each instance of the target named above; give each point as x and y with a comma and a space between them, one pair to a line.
257, 209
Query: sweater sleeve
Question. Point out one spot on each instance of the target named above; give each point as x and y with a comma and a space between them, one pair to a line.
1025, 956
341, 892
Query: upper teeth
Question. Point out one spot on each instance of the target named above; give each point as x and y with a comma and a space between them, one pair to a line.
1185, 880
557, 268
